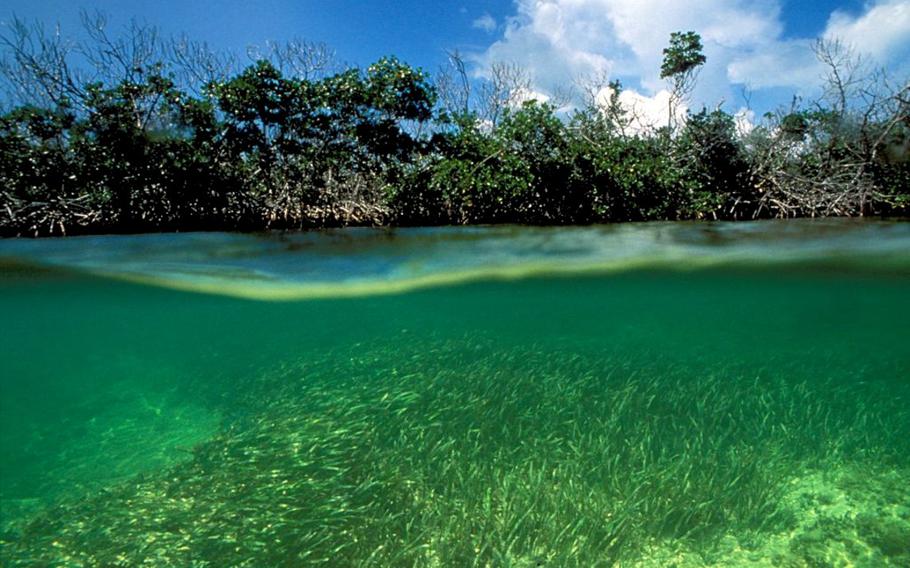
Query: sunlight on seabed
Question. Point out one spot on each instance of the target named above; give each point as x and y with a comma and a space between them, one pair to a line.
724, 395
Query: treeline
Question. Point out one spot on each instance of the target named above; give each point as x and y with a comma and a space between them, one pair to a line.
141, 133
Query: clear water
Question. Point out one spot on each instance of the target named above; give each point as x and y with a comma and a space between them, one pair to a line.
704, 394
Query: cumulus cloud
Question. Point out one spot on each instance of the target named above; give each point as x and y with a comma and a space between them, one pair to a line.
744, 119
786, 63
554, 42
486, 23
646, 114
558, 41
882, 32
522, 96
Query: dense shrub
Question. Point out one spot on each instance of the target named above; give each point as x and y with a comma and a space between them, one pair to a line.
172, 144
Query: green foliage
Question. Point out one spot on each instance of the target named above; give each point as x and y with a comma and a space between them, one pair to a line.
794, 125
894, 180
262, 149
713, 164
256, 152
683, 55
395, 90
628, 177
472, 177
645, 185
682, 60
37, 169
535, 135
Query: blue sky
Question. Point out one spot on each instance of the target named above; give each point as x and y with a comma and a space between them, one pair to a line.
759, 44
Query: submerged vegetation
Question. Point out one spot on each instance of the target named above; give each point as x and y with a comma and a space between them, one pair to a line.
715, 413
139, 133
460, 453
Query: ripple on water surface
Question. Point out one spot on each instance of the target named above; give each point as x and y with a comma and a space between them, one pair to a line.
363, 262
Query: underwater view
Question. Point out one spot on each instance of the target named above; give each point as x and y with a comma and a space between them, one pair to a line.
661, 394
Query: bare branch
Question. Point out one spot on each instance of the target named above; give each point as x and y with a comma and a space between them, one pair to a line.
36, 66
843, 71
197, 65
507, 85
297, 58
132, 57
454, 85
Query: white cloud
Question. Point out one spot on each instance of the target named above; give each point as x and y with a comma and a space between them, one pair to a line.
882, 32
784, 63
521, 96
646, 114
558, 41
554, 44
745, 121
486, 23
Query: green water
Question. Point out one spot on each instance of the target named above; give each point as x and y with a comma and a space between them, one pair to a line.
640, 395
